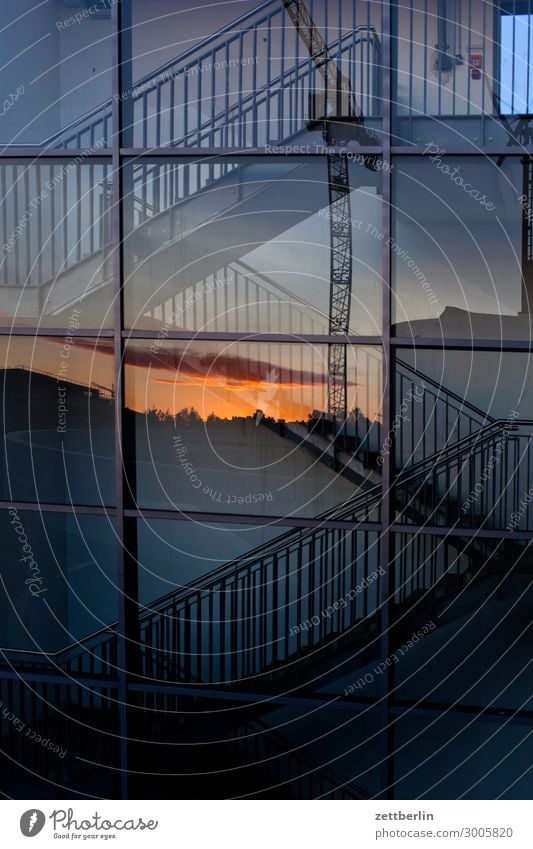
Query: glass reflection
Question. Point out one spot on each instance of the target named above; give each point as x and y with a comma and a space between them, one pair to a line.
56, 432
461, 72
467, 603
464, 439
244, 245
453, 757
55, 266
58, 580
56, 73
238, 599
241, 75
244, 427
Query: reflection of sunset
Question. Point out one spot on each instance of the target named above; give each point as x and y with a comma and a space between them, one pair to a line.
234, 396
227, 380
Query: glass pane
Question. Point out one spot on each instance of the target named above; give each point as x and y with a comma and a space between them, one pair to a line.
462, 247
56, 73
285, 753
56, 251
58, 585
173, 554
462, 628
457, 757
464, 439
56, 431
235, 75
461, 72
251, 428
241, 601
245, 245
343, 753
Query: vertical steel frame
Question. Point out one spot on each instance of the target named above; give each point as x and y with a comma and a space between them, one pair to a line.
388, 407
124, 516
126, 579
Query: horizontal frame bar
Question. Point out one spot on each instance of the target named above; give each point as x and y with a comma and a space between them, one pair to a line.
295, 338
470, 533
44, 507
54, 331
199, 152
517, 346
265, 521
239, 519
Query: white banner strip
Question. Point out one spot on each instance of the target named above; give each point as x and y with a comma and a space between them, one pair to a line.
268, 824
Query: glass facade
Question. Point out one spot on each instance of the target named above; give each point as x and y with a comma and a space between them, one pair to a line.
266, 432
54, 82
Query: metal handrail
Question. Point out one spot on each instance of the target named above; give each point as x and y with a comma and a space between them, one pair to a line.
201, 52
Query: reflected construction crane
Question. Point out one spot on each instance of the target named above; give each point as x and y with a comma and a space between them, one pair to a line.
336, 111
521, 135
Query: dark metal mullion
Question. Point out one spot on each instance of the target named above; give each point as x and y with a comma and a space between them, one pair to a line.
387, 506
42, 506
195, 152
53, 331
223, 519
35, 153
222, 336
251, 519
462, 344
436, 344
116, 227
268, 521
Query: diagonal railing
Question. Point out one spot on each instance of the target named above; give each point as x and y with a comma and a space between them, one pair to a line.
278, 602
303, 775
286, 600
431, 418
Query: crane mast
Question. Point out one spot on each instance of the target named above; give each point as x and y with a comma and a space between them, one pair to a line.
338, 91
520, 134
339, 97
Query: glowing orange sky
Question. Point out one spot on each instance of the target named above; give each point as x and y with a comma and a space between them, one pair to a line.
227, 397
224, 384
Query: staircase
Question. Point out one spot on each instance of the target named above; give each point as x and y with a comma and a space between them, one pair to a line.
292, 603
288, 599
265, 97
178, 104
308, 594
